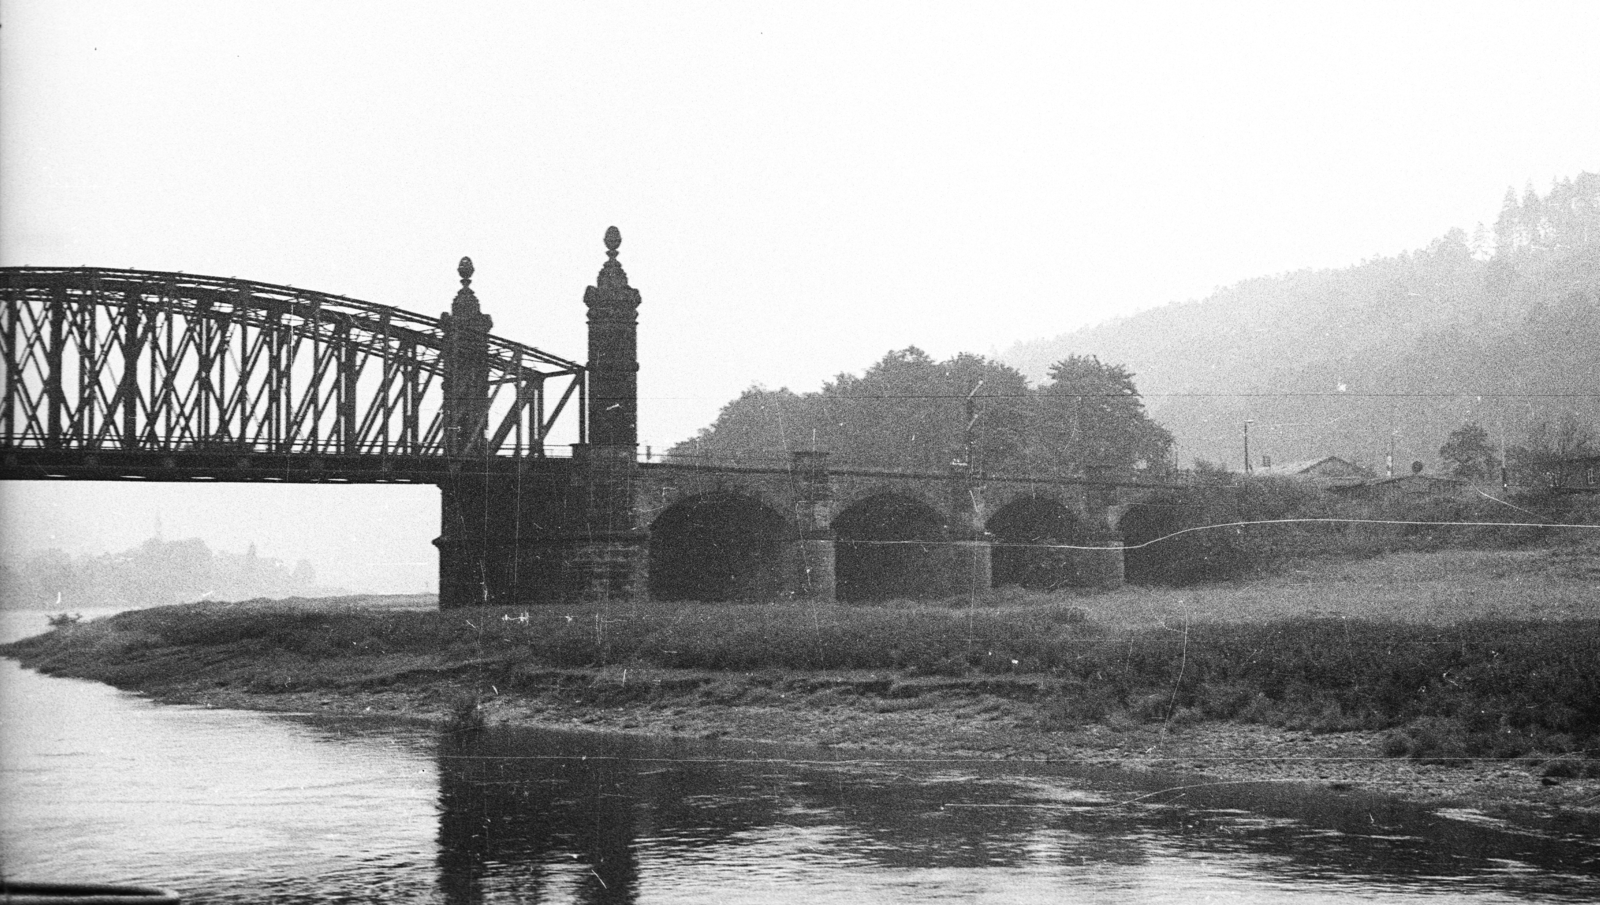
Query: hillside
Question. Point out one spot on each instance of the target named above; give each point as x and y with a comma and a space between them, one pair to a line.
1502, 330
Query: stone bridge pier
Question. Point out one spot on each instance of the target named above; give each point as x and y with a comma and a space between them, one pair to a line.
530, 531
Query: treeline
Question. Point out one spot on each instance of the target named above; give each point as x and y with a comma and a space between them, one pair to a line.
1496, 327
909, 411
1538, 459
155, 573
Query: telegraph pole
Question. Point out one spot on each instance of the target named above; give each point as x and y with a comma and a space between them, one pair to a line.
1247, 469
1505, 483
972, 419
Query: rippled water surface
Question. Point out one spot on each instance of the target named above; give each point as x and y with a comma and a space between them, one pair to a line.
231, 807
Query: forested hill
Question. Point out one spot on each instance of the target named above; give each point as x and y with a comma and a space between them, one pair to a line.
1499, 328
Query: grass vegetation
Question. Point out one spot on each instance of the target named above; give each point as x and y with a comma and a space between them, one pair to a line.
1458, 654
1280, 523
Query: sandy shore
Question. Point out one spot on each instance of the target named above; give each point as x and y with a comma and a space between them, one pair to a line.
879, 713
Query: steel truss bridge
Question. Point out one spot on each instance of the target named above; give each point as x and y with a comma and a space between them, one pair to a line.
169, 376
127, 374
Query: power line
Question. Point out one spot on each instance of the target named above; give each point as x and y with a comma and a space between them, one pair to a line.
1242, 524
1330, 394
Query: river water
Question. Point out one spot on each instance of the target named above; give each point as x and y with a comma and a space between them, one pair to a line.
230, 806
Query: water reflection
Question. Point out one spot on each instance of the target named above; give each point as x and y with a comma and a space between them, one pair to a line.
245, 807
598, 819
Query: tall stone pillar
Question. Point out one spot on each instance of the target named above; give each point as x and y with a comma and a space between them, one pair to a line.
471, 509
809, 557
970, 563
613, 354
609, 557
466, 369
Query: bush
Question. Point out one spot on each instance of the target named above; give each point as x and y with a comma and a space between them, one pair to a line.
1432, 741
465, 714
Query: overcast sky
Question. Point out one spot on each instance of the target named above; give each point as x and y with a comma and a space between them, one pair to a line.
800, 187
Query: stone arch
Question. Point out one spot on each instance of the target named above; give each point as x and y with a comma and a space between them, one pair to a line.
1021, 530
931, 493
717, 546
1144, 523
889, 545
1161, 550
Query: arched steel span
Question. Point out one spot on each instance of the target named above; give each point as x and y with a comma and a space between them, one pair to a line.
105, 368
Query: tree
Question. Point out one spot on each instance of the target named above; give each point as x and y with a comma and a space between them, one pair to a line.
1092, 417
1536, 460
909, 411
1508, 226
758, 428
895, 415
1532, 217
1468, 454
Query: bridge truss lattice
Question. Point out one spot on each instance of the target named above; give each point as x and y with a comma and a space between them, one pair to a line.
199, 369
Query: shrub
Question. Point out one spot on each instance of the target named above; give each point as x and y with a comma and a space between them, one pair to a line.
1075, 703
1434, 741
1563, 768
465, 714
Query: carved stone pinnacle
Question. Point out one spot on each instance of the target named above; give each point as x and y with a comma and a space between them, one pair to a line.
465, 269
613, 241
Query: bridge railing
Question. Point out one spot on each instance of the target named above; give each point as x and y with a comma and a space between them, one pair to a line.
98, 359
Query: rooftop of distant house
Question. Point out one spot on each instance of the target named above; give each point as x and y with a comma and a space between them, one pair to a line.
1325, 467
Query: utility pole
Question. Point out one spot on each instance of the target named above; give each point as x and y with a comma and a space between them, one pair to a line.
972, 419
1248, 470
1505, 483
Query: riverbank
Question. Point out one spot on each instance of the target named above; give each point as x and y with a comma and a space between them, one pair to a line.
883, 715
1470, 680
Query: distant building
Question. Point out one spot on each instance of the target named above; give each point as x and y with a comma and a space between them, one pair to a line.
1328, 471
1578, 474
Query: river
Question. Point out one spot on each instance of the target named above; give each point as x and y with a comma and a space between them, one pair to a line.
231, 806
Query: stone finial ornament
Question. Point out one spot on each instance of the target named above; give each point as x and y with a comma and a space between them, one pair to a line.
466, 301
612, 276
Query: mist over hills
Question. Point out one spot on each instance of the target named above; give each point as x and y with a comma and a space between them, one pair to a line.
1501, 327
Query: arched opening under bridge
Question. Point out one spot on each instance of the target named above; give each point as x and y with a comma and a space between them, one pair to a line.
717, 546
1027, 534
889, 546
1159, 550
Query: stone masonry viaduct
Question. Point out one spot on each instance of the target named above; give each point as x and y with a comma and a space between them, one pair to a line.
602, 525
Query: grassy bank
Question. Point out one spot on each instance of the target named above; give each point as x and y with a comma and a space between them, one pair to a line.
1453, 656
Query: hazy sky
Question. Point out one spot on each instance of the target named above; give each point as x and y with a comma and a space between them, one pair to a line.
800, 187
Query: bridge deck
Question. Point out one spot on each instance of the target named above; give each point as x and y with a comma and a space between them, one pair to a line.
251, 466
